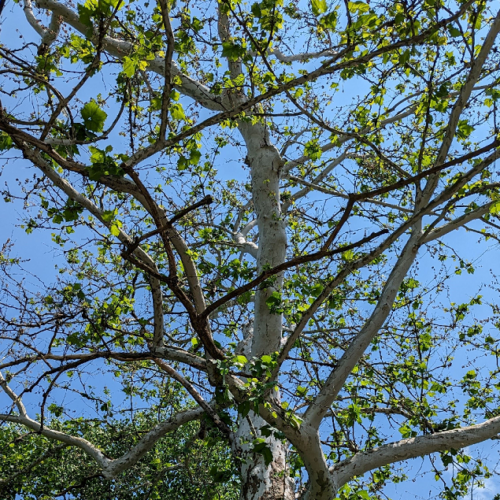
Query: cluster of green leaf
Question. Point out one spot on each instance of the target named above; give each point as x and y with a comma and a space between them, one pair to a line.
190, 463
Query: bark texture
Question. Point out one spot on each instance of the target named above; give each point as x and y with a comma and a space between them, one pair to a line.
258, 480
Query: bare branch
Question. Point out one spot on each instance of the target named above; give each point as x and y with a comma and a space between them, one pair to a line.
196, 396
415, 447
314, 187
456, 224
73, 194
283, 267
306, 56
12, 395
81, 443
349, 360
111, 468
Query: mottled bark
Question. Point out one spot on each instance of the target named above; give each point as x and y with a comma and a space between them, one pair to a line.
258, 480
261, 482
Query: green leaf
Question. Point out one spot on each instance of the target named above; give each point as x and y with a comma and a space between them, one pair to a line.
313, 149
348, 255
233, 51
262, 448
56, 409
266, 430
240, 361
115, 228
96, 9
5, 141
301, 391
256, 10
108, 215
295, 421
177, 112
364, 495
85, 14
404, 57
274, 299
220, 476
330, 20
318, 7
495, 208
244, 408
464, 129
129, 66
360, 7
93, 116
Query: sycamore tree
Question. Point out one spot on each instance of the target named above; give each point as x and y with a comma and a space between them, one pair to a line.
254, 210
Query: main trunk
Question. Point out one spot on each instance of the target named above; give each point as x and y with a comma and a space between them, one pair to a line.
261, 482
258, 480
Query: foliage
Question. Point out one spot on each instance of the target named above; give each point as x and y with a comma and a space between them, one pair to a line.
181, 466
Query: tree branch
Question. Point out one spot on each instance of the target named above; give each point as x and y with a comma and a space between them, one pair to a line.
455, 224
283, 267
349, 360
196, 396
414, 447
461, 102
111, 468
120, 49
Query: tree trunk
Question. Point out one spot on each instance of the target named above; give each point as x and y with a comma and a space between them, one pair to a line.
261, 482
258, 481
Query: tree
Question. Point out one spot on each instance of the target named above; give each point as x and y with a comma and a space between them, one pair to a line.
180, 466
241, 194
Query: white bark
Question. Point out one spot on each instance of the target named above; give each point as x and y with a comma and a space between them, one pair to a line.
248, 247
455, 224
321, 484
111, 468
32, 20
121, 48
13, 396
265, 165
261, 482
48, 35
305, 56
415, 447
181, 356
301, 57
83, 444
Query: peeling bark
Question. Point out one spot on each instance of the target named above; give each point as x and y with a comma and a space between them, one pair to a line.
259, 481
